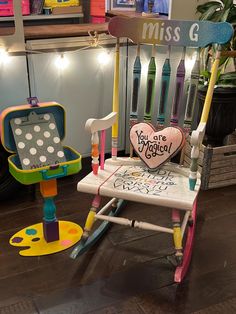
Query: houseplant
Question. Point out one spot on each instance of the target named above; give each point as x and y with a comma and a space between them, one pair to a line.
222, 117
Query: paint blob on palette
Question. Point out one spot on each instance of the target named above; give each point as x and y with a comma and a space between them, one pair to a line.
37, 140
32, 240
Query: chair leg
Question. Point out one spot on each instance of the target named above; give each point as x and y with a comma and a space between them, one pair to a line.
177, 236
82, 247
91, 218
188, 248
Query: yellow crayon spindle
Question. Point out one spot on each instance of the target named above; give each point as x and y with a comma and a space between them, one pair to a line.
210, 91
115, 106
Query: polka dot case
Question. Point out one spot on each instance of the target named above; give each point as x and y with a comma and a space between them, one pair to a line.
37, 140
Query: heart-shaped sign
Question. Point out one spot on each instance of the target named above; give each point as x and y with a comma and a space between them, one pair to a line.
156, 147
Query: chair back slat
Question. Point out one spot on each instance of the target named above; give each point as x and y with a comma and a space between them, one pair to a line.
165, 84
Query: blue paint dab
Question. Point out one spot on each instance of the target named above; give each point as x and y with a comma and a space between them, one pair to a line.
31, 231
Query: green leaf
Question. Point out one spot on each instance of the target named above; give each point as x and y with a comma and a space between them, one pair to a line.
204, 7
225, 15
227, 3
207, 15
206, 74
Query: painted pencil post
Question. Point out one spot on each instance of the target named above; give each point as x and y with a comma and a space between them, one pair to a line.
177, 236
165, 83
95, 152
135, 89
150, 94
205, 112
91, 218
192, 94
115, 106
135, 92
179, 87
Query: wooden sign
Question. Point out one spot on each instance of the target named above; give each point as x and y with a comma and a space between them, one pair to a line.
170, 32
155, 148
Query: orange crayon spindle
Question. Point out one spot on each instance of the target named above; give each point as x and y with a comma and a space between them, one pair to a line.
95, 152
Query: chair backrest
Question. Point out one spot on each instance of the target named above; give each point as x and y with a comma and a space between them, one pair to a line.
168, 98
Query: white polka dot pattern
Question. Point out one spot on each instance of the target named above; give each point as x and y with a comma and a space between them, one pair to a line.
46, 134
33, 151
28, 136
52, 126
46, 116
56, 140
39, 142
21, 145
60, 154
42, 158
18, 131
37, 128
17, 121
50, 149
26, 161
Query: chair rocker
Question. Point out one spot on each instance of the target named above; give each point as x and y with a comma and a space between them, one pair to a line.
149, 179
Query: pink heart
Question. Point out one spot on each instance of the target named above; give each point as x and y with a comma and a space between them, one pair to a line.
156, 147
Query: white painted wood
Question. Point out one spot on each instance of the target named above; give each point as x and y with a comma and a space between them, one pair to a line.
108, 205
184, 222
95, 125
165, 187
136, 224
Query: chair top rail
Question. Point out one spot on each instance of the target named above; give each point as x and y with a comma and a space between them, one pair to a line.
170, 32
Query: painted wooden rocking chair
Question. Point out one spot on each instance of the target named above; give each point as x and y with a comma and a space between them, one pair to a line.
142, 179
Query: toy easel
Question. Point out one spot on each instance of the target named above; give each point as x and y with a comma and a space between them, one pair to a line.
34, 131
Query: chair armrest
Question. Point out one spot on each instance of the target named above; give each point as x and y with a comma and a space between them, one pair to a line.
198, 134
196, 140
95, 125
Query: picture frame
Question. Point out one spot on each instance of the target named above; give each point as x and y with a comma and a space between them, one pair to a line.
128, 5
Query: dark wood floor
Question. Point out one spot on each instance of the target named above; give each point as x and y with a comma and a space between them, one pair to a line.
129, 270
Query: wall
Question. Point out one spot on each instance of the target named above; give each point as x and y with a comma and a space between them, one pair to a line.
184, 10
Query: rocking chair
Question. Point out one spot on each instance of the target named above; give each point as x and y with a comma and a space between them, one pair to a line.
147, 179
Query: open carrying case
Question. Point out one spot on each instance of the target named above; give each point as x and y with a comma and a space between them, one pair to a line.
33, 134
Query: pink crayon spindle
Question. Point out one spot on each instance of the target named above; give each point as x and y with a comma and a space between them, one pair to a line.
102, 153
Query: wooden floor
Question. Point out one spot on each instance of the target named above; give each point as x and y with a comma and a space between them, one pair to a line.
129, 271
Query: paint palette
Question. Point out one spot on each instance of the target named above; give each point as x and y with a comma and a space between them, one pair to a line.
37, 140
32, 241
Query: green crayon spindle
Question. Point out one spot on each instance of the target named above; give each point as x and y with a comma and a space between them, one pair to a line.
192, 94
136, 88
165, 83
179, 88
150, 87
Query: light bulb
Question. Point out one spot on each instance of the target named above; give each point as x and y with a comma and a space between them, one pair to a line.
104, 58
4, 56
61, 62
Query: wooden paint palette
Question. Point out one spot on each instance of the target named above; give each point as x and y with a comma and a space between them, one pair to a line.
156, 147
32, 240
37, 140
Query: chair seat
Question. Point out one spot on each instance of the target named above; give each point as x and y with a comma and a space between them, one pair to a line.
131, 180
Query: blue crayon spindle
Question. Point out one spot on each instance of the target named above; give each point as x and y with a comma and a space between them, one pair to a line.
165, 83
179, 87
150, 87
192, 94
136, 88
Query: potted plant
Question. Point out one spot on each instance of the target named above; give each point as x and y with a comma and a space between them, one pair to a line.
222, 117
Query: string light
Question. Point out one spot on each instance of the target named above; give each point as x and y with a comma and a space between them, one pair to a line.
4, 56
61, 62
103, 58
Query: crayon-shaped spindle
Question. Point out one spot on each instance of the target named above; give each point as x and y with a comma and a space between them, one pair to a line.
150, 92
165, 83
115, 106
95, 152
179, 87
192, 95
136, 88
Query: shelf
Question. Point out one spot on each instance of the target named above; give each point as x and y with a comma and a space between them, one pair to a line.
36, 17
